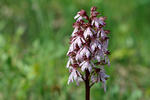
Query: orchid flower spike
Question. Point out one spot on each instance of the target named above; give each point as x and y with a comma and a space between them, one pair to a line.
88, 49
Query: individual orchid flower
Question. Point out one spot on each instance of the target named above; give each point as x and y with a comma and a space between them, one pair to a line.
86, 65
74, 75
87, 33
80, 15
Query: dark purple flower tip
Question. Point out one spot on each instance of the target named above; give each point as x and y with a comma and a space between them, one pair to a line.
80, 33
107, 31
88, 25
100, 26
97, 70
104, 38
107, 52
77, 48
82, 13
77, 24
93, 8
72, 54
102, 62
75, 65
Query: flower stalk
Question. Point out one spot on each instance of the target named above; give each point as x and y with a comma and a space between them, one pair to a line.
87, 86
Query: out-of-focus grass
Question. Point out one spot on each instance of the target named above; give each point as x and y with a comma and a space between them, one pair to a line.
34, 36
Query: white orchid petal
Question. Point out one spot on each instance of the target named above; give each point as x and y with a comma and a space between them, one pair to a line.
97, 24
80, 18
92, 22
103, 33
76, 16
87, 33
68, 63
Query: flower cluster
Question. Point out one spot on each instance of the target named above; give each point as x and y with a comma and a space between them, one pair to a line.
88, 48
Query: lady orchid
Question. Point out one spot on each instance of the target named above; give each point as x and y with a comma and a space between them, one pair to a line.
88, 51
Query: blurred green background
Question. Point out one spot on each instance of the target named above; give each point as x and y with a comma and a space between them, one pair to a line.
34, 36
